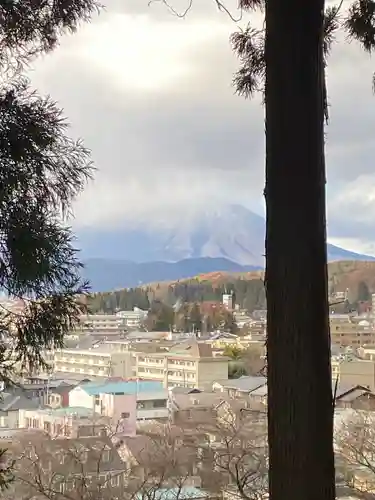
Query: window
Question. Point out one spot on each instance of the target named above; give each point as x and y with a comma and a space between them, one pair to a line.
103, 478
125, 414
106, 456
97, 400
115, 480
160, 403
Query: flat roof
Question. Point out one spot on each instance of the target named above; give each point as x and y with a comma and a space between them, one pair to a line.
66, 412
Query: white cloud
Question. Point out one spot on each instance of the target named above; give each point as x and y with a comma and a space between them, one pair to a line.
151, 95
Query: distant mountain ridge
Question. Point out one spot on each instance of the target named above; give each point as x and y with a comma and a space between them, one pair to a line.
184, 244
107, 275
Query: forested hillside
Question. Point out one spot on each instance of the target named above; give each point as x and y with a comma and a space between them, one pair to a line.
248, 295
356, 278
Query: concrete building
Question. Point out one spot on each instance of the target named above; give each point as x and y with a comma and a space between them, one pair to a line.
349, 333
134, 318
227, 300
96, 323
95, 362
357, 372
59, 422
146, 400
188, 364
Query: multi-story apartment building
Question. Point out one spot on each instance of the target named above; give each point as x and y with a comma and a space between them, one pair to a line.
111, 323
189, 364
98, 362
349, 333
134, 318
100, 323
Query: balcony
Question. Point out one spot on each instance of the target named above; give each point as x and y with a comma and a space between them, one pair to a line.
150, 362
180, 367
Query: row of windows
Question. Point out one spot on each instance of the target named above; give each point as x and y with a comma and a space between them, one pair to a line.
72, 369
161, 361
83, 360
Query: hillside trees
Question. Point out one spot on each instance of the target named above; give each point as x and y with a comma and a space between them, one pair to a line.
363, 293
250, 295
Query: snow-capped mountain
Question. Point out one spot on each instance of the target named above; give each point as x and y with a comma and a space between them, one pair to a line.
158, 247
228, 231
232, 232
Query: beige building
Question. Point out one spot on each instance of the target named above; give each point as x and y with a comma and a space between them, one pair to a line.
354, 372
189, 364
349, 333
97, 362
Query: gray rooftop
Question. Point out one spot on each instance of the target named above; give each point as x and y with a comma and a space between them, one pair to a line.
15, 402
245, 383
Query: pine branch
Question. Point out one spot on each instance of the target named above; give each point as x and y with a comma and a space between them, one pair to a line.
360, 23
248, 45
31, 27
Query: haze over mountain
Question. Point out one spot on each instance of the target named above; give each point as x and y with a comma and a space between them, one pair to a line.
225, 238
231, 232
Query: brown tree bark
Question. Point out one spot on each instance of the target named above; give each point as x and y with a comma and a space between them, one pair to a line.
300, 415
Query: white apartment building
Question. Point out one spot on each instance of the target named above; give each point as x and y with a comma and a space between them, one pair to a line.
189, 364
93, 362
132, 319
100, 323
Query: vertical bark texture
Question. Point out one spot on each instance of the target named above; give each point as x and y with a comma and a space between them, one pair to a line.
299, 378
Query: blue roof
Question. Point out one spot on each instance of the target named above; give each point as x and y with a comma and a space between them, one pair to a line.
127, 387
184, 493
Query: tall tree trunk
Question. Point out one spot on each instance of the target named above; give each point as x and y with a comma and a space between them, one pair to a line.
300, 414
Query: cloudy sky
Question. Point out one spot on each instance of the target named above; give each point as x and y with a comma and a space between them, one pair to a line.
151, 95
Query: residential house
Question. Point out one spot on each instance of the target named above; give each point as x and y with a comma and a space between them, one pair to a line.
10, 406
356, 397
194, 408
239, 387
48, 391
